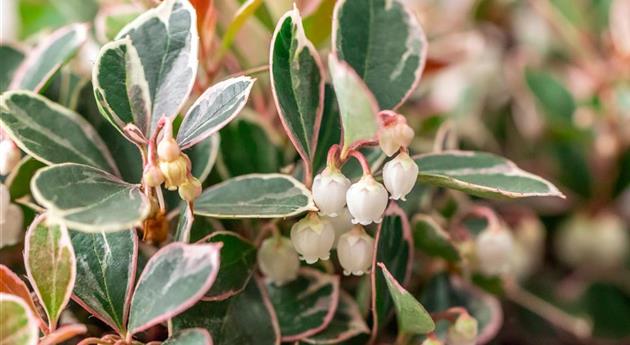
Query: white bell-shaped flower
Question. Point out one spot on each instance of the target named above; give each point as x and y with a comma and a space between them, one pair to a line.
9, 156
329, 191
367, 200
278, 261
342, 223
355, 251
11, 224
463, 331
313, 238
400, 175
493, 249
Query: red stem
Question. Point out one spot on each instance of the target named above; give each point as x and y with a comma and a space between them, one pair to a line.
361, 158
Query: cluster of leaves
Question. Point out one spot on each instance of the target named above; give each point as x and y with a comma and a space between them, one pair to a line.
83, 169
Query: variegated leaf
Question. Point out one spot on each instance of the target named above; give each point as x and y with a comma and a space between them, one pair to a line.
383, 43
481, 174
297, 80
432, 239
51, 265
255, 196
11, 284
347, 323
177, 276
42, 63
214, 109
18, 325
203, 156
190, 336
12, 57
89, 199
51, 133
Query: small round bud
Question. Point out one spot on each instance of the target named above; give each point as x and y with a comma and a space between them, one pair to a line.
463, 331
153, 176
9, 156
395, 134
175, 172
432, 341
278, 261
313, 238
342, 223
493, 248
329, 191
400, 175
167, 149
355, 250
190, 189
367, 200
11, 226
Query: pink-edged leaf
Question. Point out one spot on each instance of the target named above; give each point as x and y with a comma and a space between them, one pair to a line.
306, 305
347, 323
297, 80
245, 319
18, 325
51, 266
10, 283
393, 246
214, 109
106, 269
42, 63
176, 277
357, 105
411, 315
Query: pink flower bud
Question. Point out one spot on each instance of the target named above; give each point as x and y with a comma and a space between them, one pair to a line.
394, 134
168, 149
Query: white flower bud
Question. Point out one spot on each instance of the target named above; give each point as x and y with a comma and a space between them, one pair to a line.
313, 238
395, 135
175, 172
5, 200
329, 191
355, 250
153, 176
463, 331
400, 175
11, 227
278, 261
190, 189
9, 156
342, 223
493, 249
367, 200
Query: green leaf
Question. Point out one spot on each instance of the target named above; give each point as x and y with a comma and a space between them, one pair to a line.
432, 239
166, 41
245, 319
18, 325
191, 336
247, 148
384, 43
357, 105
553, 97
88, 199
255, 196
297, 81
12, 57
203, 156
177, 276
411, 315
51, 265
481, 174
443, 292
329, 129
111, 19
393, 246
106, 266
42, 63
318, 23
19, 180
346, 323
214, 109
238, 261
51, 133
305, 305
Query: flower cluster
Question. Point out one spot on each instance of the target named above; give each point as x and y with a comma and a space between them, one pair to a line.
172, 168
